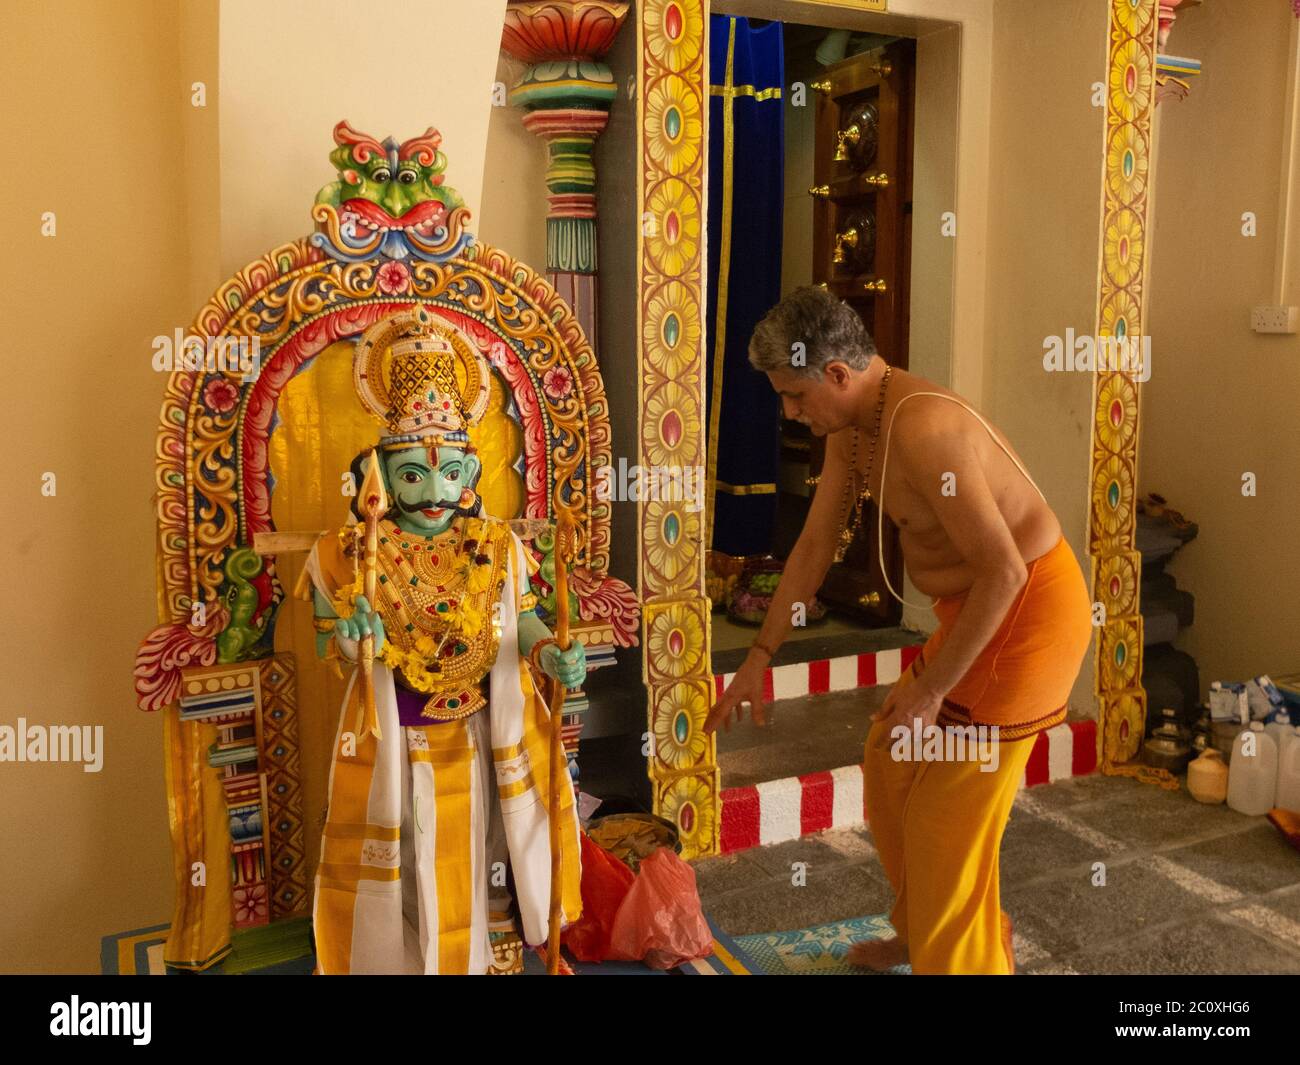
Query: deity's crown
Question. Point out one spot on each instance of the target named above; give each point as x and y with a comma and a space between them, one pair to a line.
422, 377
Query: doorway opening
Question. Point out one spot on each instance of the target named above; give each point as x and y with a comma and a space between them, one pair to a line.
825, 144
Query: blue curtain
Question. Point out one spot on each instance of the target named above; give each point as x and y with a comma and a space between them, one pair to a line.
746, 202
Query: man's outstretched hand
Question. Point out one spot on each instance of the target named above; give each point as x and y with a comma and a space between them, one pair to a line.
745, 687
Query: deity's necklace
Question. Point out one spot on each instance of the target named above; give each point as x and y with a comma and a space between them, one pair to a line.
850, 529
437, 597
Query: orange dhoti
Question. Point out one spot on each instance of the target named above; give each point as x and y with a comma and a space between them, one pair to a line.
938, 823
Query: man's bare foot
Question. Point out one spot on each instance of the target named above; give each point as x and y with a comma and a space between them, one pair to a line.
878, 954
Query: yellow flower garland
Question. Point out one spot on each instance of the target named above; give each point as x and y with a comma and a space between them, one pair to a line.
461, 621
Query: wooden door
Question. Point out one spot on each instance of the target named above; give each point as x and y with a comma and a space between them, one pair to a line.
862, 219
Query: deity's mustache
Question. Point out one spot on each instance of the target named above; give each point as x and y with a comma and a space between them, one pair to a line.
429, 504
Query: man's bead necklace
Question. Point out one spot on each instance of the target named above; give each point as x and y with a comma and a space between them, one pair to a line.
850, 528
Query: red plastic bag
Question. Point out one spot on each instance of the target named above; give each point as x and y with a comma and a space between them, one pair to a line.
605, 884
660, 921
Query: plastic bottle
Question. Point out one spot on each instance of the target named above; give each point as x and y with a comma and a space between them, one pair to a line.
1285, 740
1287, 796
1279, 727
1252, 779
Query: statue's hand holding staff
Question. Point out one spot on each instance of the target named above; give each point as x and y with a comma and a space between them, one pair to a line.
365, 621
568, 667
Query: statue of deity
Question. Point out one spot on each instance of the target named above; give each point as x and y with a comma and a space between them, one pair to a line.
437, 832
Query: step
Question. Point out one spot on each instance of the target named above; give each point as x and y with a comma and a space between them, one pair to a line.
780, 810
821, 675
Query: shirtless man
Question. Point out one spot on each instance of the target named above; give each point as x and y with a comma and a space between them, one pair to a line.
978, 538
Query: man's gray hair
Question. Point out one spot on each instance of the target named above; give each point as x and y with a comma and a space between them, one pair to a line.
808, 329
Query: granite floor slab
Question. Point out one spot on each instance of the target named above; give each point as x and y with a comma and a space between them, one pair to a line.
1101, 875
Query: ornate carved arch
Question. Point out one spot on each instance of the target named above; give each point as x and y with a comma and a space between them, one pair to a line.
210, 665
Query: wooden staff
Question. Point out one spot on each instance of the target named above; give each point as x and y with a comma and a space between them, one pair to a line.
559, 764
374, 505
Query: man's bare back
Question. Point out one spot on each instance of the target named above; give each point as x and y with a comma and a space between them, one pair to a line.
935, 565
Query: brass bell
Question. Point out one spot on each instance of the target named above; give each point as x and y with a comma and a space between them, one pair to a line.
844, 138
876, 181
876, 284
822, 86
820, 192
847, 239
871, 599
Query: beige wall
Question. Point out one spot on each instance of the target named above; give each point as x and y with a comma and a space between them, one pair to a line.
934, 192
1215, 382
931, 353
100, 96
513, 216
1044, 212
800, 146
280, 104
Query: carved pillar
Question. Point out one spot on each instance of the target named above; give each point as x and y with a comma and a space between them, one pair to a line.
566, 94
1121, 313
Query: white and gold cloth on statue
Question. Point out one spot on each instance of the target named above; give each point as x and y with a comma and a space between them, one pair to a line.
420, 813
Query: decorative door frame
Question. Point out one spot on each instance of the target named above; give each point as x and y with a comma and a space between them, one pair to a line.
1124, 260
672, 134
672, 39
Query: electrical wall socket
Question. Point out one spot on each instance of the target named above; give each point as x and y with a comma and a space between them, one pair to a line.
1274, 319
